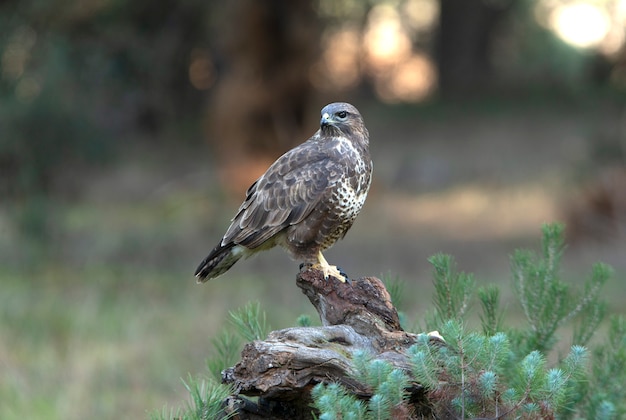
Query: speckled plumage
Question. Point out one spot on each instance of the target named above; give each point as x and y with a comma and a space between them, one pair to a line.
306, 200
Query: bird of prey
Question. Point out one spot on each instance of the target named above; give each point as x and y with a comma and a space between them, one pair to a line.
305, 201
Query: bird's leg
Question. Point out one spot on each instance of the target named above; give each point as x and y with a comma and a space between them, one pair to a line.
329, 270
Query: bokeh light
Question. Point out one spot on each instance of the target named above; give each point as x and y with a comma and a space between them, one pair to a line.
595, 25
386, 42
410, 81
581, 24
421, 15
339, 67
383, 50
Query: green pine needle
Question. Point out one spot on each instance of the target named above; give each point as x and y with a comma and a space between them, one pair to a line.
226, 348
304, 320
250, 322
453, 291
492, 316
206, 401
377, 372
487, 383
379, 407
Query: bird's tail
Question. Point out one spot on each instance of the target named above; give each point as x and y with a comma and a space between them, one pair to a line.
219, 260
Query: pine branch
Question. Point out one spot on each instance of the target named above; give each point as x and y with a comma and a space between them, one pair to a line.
250, 322
425, 363
206, 402
226, 352
453, 291
590, 309
492, 316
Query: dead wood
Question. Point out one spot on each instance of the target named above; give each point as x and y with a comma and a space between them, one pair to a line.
282, 369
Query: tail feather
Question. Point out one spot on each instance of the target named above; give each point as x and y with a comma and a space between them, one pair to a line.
219, 260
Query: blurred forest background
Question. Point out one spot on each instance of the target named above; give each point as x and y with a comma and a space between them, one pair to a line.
129, 131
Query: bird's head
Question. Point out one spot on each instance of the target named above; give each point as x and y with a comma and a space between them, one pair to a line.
343, 117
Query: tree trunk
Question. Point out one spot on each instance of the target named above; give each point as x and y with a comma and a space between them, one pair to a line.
464, 42
260, 102
282, 369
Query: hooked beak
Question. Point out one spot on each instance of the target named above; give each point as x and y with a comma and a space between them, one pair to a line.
326, 120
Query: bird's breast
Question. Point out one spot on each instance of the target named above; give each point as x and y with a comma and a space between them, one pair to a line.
348, 191
351, 192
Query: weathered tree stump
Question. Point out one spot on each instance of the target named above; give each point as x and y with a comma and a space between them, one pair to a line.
283, 369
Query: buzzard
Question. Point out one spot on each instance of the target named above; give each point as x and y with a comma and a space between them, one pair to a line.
305, 201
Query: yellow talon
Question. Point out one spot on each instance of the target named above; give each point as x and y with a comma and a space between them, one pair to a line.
327, 269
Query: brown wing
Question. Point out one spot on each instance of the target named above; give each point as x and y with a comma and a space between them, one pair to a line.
296, 184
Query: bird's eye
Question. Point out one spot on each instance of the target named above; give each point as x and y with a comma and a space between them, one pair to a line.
342, 114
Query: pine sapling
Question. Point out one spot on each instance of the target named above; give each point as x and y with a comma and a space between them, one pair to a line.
547, 301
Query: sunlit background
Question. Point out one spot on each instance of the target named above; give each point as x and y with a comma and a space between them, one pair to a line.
394, 48
129, 132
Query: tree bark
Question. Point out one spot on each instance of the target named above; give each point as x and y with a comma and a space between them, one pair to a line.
282, 369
